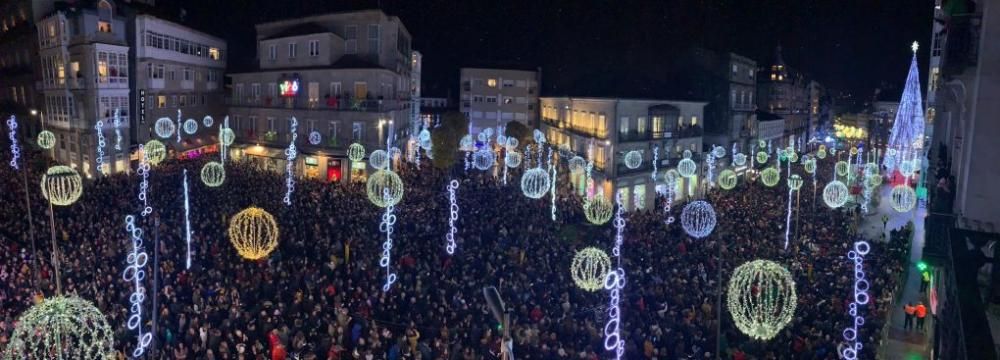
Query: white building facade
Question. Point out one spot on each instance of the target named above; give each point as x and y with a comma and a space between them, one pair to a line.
494, 97
605, 129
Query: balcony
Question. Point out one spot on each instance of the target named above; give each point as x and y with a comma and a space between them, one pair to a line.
331, 104
156, 83
680, 133
962, 44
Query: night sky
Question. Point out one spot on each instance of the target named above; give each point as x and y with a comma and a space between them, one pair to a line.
618, 47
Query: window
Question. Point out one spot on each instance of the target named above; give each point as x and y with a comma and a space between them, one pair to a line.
187, 74
312, 125
641, 125
508, 100
734, 69
313, 93
335, 89
213, 53
314, 48
154, 71
356, 131
658, 126
333, 130
639, 196
623, 127
491, 99
491, 83
104, 16
272, 52
255, 91
351, 39
183, 101
694, 121
477, 98
292, 49
732, 95
170, 74
161, 101
270, 124
508, 83
360, 90
213, 76
272, 90
374, 44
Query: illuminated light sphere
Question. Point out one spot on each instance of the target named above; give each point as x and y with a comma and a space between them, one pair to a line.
598, 210
501, 139
482, 137
488, 131
782, 155
395, 153
633, 159
792, 156
891, 152
873, 181
254, 233
871, 169
381, 181
841, 168
512, 159
156, 151
809, 166
686, 167
795, 182
903, 198
483, 159
671, 176
687, 154
589, 268
740, 159
565, 151
213, 174
207, 121
164, 127
835, 194
512, 142
539, 136
356, 152
378, 159
821, 154
906, 168
761, 298
315, 138
227, 136
854, 151
61, 185
62, 327
46, 139
535, 183
719, 152
761, 144
727, 179
424, 139
466, 143
190, 126
770, 176
698, 219
761, 157
577, 165
822, 147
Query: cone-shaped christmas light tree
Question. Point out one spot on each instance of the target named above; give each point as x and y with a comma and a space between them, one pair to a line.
908, 128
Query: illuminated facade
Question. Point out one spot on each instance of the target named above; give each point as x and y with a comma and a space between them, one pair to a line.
346, 76
494, 97
784, 92
605, 129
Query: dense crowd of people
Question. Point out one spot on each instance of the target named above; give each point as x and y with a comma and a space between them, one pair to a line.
319, 295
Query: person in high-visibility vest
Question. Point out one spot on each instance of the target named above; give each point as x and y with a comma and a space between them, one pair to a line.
909, 309
921, 312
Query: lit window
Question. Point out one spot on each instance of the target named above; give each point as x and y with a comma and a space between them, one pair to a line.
774, 77
213, 53
161, 101
780, 77
694, 120
491, 83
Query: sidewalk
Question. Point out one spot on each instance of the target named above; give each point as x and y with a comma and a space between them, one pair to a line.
899, 344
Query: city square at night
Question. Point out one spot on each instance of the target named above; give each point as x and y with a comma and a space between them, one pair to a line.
435, 179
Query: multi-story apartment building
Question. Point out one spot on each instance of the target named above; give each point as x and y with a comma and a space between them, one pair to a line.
84, 60
783, 92
176, 68
494, 97
19, 67
770, 128
605, 129
345, 77
728, 82
434, 102
882, 117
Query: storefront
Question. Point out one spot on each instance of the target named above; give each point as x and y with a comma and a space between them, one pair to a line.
198, 152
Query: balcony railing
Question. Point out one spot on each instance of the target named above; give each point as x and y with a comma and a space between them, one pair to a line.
332, 104
679, 133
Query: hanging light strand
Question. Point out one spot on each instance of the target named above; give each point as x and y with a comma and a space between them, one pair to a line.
143, 170
290, 154
852, 345
614, 282
388, 220
135, 272
187, 221
118, 130
99, 129
15, 150
453, 209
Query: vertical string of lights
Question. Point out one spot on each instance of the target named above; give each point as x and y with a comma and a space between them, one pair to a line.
453, 208
290, 155
656, 159
788, 212
187, 221
671, 188
135, 272
614, 282
710, 162
388, 220
143, 171
179, 125
852, 343
15, 150
553, 170
222, 134
99, 128
866, 190
118, 130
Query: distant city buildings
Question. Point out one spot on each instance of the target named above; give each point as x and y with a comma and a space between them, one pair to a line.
605, 129
344, 76
728, 82
784, 92
494, 97
19, 66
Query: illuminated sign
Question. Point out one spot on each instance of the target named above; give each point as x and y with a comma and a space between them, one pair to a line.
311, 161
142, 106
289, 87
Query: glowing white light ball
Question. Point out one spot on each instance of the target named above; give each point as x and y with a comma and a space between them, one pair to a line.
227, 136
156, 151
633, 159
589, 268
483, 159
907, 168
841, 168
686, 154
810, 166
379, 182
686, 168
378, 159
213, 174
903, 198
512, 159
761, 157
821, 154
356, 152
61, 327
207, 121
739, 159
698, 219
770, 176
46, 139
795, 182
164, 127
424, 139
535, 183
719, 152
512, 142
539, 136
761, 298
254, 233
315, 138
598, 210
727, 179
61, 185
577, 165
466, 143
835, 194
190, 126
